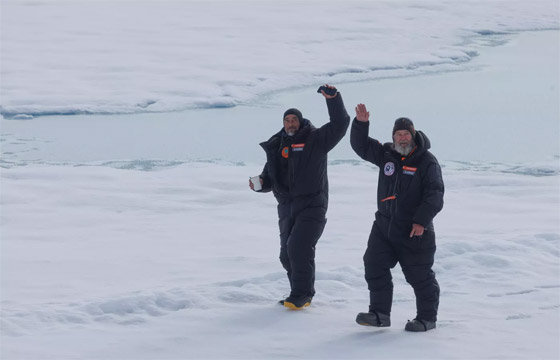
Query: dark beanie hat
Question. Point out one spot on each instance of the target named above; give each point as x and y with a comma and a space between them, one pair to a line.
404, 124
294, 111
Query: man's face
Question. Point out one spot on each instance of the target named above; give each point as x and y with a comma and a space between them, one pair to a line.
291, 124
403, 142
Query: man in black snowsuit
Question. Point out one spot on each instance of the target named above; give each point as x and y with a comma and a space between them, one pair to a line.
409, 195
296, 172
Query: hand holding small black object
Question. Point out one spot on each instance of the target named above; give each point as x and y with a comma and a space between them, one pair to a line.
328, 91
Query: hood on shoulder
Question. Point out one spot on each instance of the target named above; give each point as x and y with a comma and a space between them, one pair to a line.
422, 144
421, 140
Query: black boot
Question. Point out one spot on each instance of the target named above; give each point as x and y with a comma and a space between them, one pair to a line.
374, 319
418, 325
297, 302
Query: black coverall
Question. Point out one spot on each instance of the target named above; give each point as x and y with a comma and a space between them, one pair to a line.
296, 172
410, 191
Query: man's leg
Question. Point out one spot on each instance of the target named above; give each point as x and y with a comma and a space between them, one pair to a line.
285, 223
308, 227
417, 258
379, 258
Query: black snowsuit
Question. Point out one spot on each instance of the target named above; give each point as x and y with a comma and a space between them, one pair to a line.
296, 172
410, 191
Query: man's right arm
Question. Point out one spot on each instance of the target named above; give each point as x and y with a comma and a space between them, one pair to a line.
266, 182
367, 148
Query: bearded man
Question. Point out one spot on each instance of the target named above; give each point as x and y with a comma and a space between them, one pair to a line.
409, 195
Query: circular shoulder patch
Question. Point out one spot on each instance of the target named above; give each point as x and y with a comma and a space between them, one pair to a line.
389, 169
285, 152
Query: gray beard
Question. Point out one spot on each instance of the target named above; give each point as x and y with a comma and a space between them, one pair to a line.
404, 151
291, 133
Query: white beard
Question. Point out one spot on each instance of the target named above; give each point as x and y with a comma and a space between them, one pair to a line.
290, 133
404, 150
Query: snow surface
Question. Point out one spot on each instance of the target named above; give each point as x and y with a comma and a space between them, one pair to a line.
122, 237
183, 263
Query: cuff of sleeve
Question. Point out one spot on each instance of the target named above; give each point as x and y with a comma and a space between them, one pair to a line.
420, 221
361, 123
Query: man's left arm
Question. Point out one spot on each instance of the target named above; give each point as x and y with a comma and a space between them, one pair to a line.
432, 200
332, 132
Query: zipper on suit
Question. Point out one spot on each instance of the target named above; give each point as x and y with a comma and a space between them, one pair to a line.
393, 205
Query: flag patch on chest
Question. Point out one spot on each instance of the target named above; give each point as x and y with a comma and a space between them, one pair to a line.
408, 170
298, 147
389, 169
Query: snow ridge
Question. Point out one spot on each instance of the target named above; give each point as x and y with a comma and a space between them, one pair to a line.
183, 59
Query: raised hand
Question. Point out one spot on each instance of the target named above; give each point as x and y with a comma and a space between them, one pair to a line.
361, 113
332, 88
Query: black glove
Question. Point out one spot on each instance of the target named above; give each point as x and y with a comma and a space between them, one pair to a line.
328, 91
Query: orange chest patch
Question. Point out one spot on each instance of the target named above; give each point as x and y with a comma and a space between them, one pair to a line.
409, 170
298, 147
